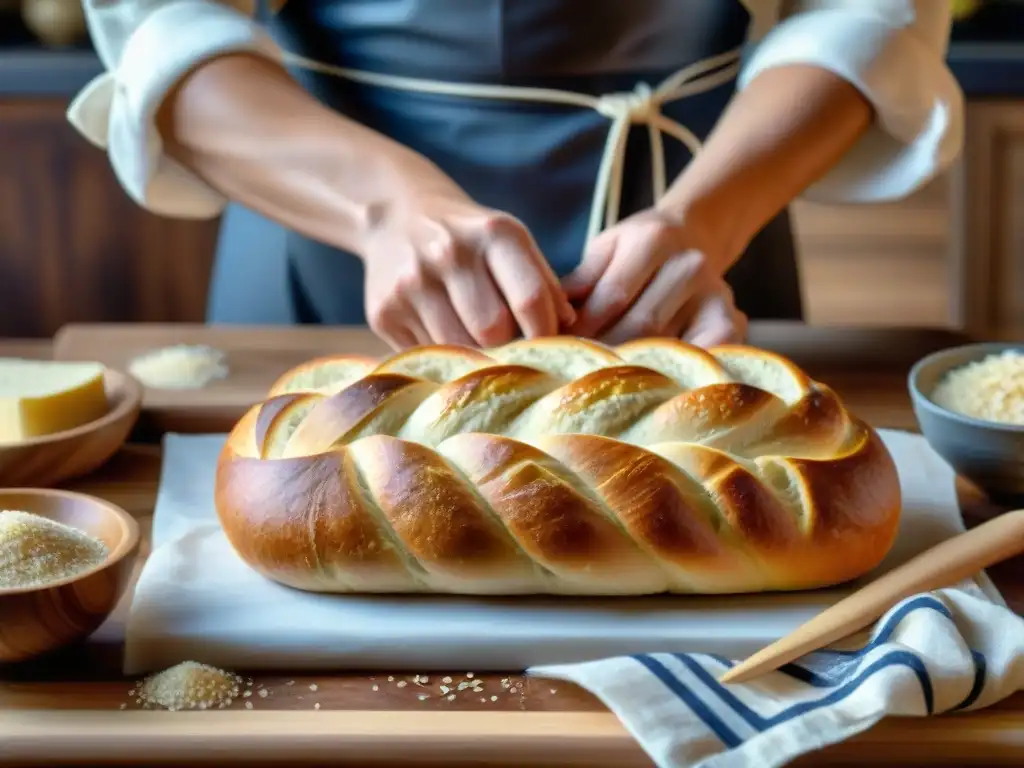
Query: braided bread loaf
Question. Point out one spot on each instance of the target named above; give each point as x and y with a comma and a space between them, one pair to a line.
556, 466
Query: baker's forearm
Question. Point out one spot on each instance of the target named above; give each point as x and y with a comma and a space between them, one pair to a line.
778, 136
251, 132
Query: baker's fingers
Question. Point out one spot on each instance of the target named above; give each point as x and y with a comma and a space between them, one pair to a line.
716, 320
439, 319
414, 331
658, 310
479, 304
529, 293
630, 269
579, 283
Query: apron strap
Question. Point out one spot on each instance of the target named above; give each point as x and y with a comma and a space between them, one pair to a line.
642, 106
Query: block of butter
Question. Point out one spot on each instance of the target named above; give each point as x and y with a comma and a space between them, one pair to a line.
42, 397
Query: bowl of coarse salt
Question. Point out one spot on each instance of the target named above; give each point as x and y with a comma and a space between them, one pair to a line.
969, 402
65, 562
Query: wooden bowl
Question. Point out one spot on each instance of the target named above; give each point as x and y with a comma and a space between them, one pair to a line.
52, 459
36, 620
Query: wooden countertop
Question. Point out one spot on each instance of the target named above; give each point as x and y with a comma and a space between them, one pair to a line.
68, 708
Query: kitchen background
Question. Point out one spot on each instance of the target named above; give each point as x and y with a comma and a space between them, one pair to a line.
75, 248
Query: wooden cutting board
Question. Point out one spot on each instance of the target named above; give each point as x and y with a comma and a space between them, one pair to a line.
256, 356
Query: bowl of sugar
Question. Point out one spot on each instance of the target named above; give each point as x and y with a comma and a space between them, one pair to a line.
969, 402
65, 562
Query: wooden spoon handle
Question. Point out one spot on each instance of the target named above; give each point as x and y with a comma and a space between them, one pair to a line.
949, 562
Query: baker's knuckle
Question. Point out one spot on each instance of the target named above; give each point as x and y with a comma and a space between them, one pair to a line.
531, 301
647, 324
493, 328
444, 252
410, 281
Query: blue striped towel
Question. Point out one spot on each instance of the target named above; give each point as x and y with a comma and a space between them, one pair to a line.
949, 650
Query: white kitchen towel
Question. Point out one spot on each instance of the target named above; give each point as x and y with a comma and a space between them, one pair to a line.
945, 651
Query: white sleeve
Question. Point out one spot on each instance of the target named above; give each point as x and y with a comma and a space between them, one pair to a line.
893, 51
147, 46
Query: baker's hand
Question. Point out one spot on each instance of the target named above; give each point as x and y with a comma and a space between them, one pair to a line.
442, 269
653, 275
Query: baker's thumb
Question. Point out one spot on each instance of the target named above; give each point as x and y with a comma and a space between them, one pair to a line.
581, 281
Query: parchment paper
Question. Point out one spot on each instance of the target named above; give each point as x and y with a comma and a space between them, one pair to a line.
196, 599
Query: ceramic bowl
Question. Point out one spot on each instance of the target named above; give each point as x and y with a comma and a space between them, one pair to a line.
37, 620
989, 454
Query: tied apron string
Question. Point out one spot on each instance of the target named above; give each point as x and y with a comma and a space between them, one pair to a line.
642, 106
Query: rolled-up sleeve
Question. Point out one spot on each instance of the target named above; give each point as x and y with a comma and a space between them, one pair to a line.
893, 52
146, 47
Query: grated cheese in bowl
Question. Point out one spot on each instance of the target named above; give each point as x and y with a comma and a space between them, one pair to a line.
991, 389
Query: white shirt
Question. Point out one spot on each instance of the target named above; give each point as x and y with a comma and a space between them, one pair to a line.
893, 51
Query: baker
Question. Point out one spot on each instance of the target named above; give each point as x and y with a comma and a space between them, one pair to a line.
470, 171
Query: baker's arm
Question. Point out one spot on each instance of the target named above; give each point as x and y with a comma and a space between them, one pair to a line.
196, 109
192, 112
842, 101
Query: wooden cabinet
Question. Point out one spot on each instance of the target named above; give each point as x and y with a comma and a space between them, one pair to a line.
878, 264
989, 253
73, 246
950, 255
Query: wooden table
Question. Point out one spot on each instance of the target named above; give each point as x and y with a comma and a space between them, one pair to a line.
68, 709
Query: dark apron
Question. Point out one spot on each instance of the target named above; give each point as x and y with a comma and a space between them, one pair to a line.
538, 162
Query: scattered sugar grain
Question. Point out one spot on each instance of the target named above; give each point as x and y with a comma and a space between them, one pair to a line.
182, 366
402, 683
469, 675
190, 685
35, 550
248, 705
494, 698
263, 693
391, 678
376, 687
451, 697
317, 705
423, 696
446, 680
313, 687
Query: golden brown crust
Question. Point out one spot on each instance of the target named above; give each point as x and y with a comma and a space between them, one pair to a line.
665, 468
328, 371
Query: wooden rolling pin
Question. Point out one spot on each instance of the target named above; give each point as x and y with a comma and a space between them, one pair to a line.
951, 561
